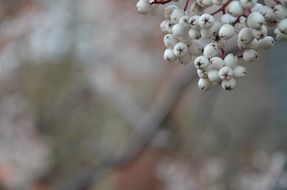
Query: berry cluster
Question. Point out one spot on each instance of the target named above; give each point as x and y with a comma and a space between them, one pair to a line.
195, 32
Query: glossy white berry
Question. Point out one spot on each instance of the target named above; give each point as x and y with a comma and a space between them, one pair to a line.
231, 60
194, 34
282, 26
193, 21
250, 55
210, 50
261, 33
226, 31
206, 21
184, 21
169, 55
201, 62
205, 33
227, 19
228, 84
255, 20
248, 4
225, 73
267, 42
279, 35
176, 15
280, 11
195, 49
143, 6
204, 3
235, 8
202, 74
204, 84
245, 35
216, 63
180, 49
239, 71
168, 10
169, 40
178, 30
213, 75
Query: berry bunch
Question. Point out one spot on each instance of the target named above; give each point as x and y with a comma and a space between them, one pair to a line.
195, 32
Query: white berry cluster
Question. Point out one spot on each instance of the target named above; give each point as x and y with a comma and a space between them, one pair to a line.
195, 32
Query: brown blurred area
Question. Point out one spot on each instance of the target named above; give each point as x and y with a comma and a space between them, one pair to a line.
82, 82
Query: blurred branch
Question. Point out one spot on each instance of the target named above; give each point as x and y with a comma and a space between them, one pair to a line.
143, 132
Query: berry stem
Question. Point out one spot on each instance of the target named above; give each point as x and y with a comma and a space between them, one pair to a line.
186, 5
222, 53
160, 2
222, 8
236, 21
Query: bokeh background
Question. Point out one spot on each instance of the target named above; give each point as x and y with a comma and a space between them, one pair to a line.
87, 103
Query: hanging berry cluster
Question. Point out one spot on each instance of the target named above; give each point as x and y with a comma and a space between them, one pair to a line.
201, 30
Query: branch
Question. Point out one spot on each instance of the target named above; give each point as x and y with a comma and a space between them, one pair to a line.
143, 132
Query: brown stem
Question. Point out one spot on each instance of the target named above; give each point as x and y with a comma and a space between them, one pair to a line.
222, 8
236, 21
186, 5
222, 53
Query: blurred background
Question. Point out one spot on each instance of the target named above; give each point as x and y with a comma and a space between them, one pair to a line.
87, 103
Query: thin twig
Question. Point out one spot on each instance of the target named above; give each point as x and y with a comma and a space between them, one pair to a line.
143, 132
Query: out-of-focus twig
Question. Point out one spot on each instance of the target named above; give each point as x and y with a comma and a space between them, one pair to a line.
143, 132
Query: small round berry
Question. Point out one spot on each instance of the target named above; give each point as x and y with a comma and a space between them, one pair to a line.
193, 21
195, 49
201, 62
280, 12
169, 40
205, 33
202, 74
210, 50
166, 26
168, 10
180, 49
204, 3
228, 84
267, 42
248, 4
216, 63
245, 35
239, 72
143, 6
227, 19
213, 76
255, 20
254, 44
204, 84
176, 15
231, 60
279, 35
194, 34
250, 55
235, 8
226, 31
169, 55
184, 21
270, 3
260, 33
282, 26
225, 73
206, 21
178, 30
